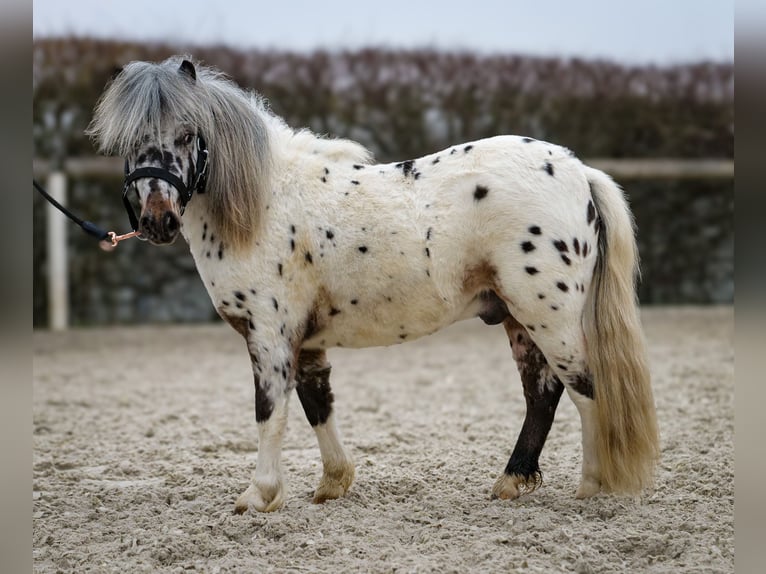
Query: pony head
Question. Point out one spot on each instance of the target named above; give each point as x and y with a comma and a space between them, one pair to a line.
165, 174
155, 115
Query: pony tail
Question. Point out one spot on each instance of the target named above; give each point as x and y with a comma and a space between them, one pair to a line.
628, 438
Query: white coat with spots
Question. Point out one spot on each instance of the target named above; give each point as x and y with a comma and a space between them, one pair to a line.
304, 244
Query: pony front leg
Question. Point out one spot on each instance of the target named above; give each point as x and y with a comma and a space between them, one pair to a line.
266, 492
315, 394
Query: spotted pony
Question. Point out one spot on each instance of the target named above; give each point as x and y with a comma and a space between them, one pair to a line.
304, 244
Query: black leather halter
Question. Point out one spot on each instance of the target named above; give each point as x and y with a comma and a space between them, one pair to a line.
198, 180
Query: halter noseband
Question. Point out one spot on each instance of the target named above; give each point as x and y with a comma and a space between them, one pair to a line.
198, 180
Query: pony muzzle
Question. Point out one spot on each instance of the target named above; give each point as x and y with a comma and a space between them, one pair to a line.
159, 221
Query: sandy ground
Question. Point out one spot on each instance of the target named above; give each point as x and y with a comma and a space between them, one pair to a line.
143, 438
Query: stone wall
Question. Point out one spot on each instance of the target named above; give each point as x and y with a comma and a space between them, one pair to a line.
686, 240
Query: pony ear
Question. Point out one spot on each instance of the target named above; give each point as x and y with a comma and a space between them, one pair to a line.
116, 71
188, 68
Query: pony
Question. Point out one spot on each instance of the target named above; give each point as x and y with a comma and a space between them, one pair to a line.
304, 244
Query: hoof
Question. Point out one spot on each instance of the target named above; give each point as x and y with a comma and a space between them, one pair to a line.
506, 488
335, 482
261, 497
588, 487
511, 486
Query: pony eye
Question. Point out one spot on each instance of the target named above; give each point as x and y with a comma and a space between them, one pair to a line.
188, 138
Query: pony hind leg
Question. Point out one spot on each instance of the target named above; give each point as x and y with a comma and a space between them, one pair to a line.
579, 386
542, 391
561, 342
315, 394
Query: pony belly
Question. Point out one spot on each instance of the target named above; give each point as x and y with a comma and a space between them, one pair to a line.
362, 336
387, 327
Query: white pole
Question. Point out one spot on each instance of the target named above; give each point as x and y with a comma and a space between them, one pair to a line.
58, 272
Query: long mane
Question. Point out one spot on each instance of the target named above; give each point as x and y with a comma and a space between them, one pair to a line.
146, 98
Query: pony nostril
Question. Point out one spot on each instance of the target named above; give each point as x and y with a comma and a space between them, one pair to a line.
145, 222
170, 222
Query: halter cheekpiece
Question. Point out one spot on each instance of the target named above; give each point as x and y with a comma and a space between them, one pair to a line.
198, 180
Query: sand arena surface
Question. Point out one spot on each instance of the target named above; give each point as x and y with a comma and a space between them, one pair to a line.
144, 437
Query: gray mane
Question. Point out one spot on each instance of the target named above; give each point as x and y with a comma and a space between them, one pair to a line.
147, 98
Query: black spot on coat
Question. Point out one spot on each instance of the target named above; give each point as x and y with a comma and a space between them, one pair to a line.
583, 384
263, 405
480, 192
406, 167
531, 270
535, 230
548, 167
527, 246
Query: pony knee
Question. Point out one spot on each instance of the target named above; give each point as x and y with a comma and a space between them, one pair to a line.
313, 386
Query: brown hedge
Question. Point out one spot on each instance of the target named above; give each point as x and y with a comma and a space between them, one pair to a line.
408, 103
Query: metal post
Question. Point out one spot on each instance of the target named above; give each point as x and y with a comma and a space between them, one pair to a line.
58, 272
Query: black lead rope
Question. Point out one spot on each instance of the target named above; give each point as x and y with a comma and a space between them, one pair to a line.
87, 226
